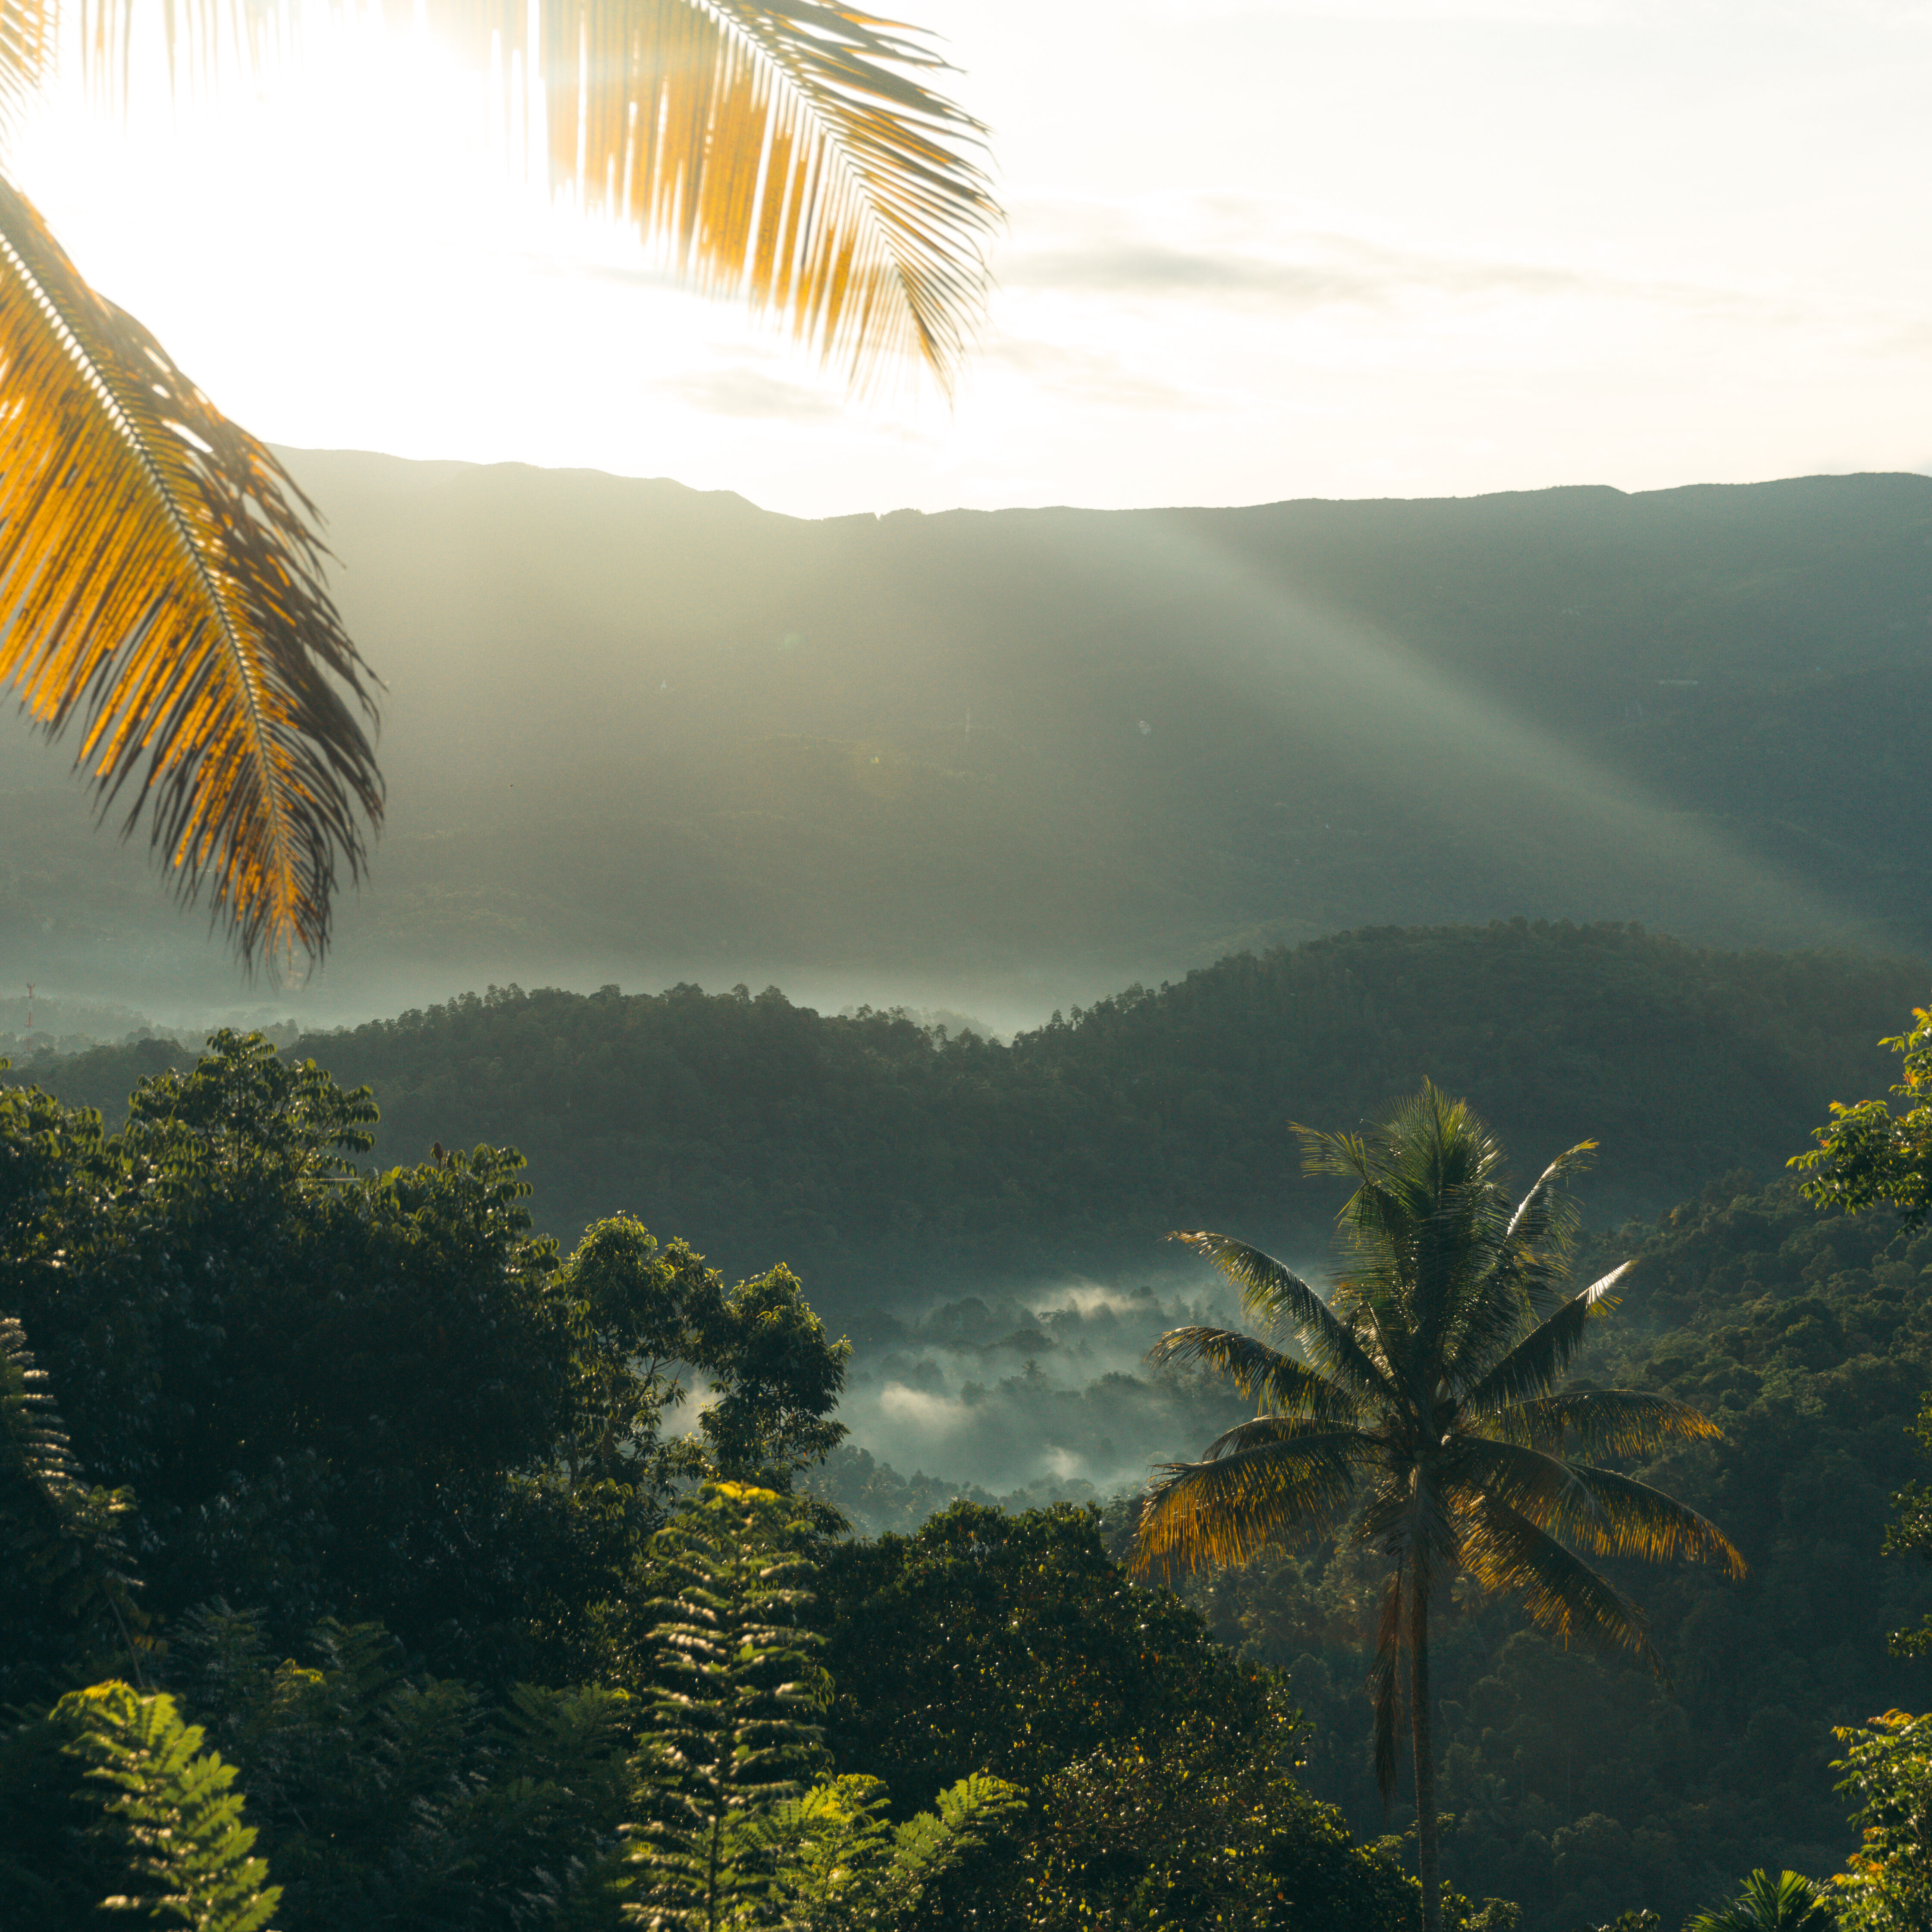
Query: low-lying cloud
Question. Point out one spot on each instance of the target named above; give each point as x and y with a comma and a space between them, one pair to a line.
1025, 1400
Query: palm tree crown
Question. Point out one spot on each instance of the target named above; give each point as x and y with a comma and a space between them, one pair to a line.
1430, 1380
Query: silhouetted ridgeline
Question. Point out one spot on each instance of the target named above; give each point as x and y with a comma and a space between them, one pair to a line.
881, 1160
638, 732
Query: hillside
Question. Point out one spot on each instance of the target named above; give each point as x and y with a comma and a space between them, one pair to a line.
889, 1164
1003, 761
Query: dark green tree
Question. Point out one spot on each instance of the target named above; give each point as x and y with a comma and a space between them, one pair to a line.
1159, 1769
1782, 1902
1432, 1377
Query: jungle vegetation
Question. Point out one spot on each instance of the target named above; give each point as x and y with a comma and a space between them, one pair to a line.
384, 1513
885, 1162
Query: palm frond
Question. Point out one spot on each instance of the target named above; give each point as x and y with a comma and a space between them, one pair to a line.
1546, 1217
1283, 1299
788, 150
1605, 1422
1612, 1515
159, 579
1226, 1510
1276, 1384
1529, 1370
1508, 1554
27, 29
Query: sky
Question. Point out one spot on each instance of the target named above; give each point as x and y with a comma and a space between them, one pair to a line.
1308, 248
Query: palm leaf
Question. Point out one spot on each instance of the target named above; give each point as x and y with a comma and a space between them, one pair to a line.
1506, 1553
1617, 1515
786, 149
1287, 1481
1276, 1384
157, 578
1285, 1300
1607, 1422
1529, 1370
26, 52
1607, 1514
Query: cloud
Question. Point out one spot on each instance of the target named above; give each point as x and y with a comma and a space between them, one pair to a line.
742, 391
1338, 270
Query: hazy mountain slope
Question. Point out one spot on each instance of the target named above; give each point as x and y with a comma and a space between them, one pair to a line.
635, 732
890, 1169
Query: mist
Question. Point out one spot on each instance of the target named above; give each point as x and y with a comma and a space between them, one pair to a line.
1041, 1395
1003, 764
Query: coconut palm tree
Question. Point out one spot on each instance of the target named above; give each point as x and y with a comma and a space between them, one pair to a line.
160, 574
1789, 1903
1431, 1379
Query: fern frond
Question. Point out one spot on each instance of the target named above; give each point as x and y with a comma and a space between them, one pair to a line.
62, 1536
191, 1858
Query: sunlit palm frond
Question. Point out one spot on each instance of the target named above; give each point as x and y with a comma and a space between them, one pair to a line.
1508, 1554
1605, 1422
1262, 1432
1531, 1369
1286, 1302
1276, 1384
27, 28
1545, 1219
787, 150
159, 581
1226, 1510
1611, 1515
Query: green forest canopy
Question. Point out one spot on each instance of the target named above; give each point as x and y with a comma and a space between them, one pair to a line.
886, 1164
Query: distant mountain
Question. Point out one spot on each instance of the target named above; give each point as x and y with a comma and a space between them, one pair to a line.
636, 733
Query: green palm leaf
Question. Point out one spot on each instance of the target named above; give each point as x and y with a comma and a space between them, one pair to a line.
1532, 1367
1275, 1382
1605, 1422
1285, 1301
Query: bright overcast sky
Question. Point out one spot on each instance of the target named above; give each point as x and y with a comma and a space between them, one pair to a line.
1314, 247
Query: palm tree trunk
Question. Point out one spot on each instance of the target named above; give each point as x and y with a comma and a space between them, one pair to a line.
1425, 1759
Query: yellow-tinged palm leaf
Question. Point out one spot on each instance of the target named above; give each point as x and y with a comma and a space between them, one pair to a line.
785, 148
1607, 1422
27, 29
1506, 1553
1284, 1481
1612, 1515
159, 581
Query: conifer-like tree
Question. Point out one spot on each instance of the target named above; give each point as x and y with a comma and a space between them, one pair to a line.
736, 1729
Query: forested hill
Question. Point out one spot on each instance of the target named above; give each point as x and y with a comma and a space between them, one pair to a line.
884, 1161
634, 732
